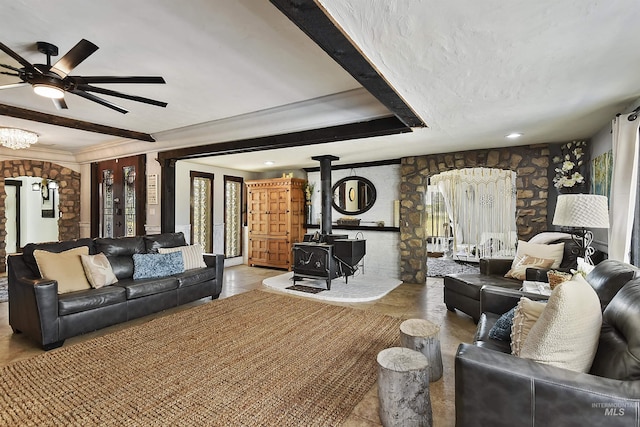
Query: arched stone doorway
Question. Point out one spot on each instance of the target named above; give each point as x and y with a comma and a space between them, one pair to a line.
68, 190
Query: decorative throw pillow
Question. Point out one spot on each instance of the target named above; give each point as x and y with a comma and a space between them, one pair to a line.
556, 277
64, 267
191, 255
146, 266
519, 271
98, 270
554, 251
567, 332
501, 330
525, 316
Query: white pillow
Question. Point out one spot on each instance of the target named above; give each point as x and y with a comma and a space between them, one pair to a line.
567, 332
525, 316
536, 250
191, 255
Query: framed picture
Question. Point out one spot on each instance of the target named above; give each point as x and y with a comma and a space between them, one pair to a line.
601, 169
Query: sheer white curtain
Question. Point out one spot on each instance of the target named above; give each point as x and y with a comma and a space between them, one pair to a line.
623, 186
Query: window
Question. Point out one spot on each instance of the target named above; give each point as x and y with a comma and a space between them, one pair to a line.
233, 187
201, 210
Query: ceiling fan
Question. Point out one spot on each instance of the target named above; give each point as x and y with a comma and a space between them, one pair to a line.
52, 81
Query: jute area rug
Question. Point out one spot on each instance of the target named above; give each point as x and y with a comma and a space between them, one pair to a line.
255, 359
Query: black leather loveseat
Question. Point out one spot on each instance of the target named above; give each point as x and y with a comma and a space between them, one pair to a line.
37, 310
495, 388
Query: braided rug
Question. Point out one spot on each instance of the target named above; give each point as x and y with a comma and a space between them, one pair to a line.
255, 359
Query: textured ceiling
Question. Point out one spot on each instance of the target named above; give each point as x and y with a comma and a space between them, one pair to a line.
473, 71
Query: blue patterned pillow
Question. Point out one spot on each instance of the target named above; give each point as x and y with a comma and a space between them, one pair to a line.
146, 266
501, 330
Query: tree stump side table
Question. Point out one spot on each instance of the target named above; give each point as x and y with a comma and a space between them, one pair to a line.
403, 388
423, 336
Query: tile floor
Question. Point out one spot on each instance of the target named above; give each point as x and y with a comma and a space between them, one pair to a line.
406, 301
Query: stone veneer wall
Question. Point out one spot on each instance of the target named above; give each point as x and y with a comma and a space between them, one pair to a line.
529, 162
68, 190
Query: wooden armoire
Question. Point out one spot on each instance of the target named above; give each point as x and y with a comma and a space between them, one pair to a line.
275, 220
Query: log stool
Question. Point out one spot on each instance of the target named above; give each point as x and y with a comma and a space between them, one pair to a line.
422, 335
403, 388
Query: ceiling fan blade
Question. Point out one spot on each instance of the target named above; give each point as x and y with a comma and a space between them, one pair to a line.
73, 58
12, 85
9, 74
114, 79
99, 100
103, 91
26, 64
60, 103
10, 67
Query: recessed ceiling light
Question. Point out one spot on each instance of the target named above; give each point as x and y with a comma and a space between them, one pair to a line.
514, 135
269, 163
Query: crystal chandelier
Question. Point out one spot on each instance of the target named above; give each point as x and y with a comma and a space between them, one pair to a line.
17, 138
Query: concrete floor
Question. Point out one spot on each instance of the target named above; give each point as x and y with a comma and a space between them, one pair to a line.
406, 301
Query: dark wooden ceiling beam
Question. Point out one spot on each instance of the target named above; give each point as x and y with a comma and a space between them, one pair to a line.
50, 119
311, 19
377, 127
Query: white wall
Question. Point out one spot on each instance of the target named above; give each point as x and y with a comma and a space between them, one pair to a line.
383, 253
34, 228
183, 202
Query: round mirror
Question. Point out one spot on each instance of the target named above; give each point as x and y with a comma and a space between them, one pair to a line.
353, 195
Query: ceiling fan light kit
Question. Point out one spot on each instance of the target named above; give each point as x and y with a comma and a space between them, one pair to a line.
52, 81
17, 138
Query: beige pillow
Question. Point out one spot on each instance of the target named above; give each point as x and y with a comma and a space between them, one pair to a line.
191, 255
98, 270
64, 267
519, 271
525, 316
538, 250
567, 332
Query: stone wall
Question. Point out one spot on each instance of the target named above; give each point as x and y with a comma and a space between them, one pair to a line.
68, 190
529, 162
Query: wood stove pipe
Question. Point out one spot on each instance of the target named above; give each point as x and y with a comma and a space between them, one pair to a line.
325, 190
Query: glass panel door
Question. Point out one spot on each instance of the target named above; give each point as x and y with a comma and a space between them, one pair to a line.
233, 216
201, 209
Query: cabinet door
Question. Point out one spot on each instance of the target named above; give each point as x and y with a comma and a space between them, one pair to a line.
258, 249
258, 212
279, 253
278, 212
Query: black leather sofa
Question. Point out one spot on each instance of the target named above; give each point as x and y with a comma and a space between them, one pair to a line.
37, 310
462, 291
494, 388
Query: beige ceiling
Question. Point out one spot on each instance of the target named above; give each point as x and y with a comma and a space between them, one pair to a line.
472, 71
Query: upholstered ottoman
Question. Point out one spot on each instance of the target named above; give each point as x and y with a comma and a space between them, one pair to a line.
462, 291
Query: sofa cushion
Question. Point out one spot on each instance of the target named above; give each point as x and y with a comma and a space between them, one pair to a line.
469, 284
195, 276
525, 316
482, 338
566, 334
119, 252
519, 269
27, 251
618, 354
191, 255
98, 270
144, 287
64, 267
76, 302
165, 240
608, 277
146, 266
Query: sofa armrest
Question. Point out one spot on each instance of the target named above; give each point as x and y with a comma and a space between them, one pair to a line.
498, 300
498, 266
494, 388
216, 261
33, 303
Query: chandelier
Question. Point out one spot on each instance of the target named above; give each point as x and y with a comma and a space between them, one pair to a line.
17, 138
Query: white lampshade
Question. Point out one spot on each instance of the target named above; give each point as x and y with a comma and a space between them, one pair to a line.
582, 211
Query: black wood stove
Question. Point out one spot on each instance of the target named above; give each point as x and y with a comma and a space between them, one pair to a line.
324, 255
